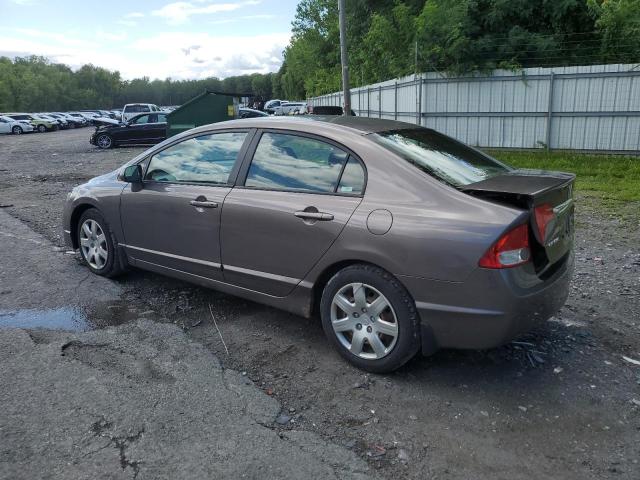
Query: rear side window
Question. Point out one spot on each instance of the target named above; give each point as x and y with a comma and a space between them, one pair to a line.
440, 156
292, 162
352, 180
204, 159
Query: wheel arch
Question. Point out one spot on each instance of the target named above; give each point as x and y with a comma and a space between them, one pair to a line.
323, 278
75, 218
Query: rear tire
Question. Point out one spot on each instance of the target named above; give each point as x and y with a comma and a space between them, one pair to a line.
382, 332
42, 128
98, 245
17, 130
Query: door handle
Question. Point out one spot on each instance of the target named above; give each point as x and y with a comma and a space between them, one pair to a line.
321, 216
203, 204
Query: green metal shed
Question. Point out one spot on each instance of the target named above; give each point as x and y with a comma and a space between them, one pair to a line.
208, 107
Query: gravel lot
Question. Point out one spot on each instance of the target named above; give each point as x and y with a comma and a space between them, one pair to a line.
560, 402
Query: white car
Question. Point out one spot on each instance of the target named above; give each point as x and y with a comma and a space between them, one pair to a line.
271, 105
132, 109
289, 108
17, 127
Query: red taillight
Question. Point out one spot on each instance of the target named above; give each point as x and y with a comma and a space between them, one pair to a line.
544, 214
510, 250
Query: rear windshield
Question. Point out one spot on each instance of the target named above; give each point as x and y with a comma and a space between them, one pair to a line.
440, 156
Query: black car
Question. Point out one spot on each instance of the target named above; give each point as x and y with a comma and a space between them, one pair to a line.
144, 129
244, 112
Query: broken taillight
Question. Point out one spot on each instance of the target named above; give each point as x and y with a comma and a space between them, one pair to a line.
544, 214
510, 250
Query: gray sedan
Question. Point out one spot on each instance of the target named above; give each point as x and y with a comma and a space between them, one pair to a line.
399, 238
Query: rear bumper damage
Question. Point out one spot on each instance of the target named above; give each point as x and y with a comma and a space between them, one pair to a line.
490, 308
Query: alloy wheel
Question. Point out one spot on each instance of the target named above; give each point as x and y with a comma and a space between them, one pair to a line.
104, 141
93, 243
17, 130
364, 321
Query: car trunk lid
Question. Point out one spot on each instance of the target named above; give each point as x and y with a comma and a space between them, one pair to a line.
548, 196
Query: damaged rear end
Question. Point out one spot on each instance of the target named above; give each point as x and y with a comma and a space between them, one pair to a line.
546, 239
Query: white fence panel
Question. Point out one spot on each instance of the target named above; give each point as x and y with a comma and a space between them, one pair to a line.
593, 107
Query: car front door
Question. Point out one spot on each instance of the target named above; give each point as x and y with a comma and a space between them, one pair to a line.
290, 203
172, 219
136, 130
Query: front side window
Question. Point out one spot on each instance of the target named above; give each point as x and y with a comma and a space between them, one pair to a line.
291, 162
204, 159
162, 118
440, 156
141, 119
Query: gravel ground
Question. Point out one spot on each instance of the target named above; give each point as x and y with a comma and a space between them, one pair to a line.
560, 402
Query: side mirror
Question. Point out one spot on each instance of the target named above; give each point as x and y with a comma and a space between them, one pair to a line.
133, 174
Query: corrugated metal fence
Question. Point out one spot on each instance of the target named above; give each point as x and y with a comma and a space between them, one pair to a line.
593, 107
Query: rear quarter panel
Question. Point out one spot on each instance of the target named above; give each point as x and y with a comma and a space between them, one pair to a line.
437, 232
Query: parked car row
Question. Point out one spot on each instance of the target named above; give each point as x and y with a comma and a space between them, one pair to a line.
284, 107
18, 123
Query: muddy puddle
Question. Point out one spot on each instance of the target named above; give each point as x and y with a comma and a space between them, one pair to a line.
72, 318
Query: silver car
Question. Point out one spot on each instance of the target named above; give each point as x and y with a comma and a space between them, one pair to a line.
399, 238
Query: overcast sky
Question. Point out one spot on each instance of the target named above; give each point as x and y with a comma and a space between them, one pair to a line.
154, 38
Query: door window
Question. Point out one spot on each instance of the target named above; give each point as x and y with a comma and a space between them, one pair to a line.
291, 162
142, 119
352, 180
203, 159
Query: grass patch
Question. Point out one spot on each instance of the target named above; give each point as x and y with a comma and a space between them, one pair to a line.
613, 179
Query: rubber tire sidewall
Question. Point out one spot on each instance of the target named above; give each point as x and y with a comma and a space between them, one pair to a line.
17, 130
104, 135
112, 267
409, 339
42, 128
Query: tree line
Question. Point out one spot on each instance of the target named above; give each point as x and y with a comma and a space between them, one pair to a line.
386, 39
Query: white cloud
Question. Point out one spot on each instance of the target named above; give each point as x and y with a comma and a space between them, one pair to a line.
184, 55
179, 12
127, 23
200, 55
242, 19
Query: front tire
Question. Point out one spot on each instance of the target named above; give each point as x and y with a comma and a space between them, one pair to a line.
17, 130
42, 128
104, 141
370, 318
97, 245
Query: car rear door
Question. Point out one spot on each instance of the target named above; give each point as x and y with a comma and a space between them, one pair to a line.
172, 220
294, 195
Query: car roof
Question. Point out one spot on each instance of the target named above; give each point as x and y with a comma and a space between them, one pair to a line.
361, 125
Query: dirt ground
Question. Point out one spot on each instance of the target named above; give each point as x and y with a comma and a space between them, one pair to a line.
559, 402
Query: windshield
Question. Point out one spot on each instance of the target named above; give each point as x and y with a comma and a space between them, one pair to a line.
440, 156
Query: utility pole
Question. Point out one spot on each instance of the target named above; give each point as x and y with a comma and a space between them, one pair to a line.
343, 57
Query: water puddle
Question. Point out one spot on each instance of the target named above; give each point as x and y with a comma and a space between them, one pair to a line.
69, 318
55, 319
